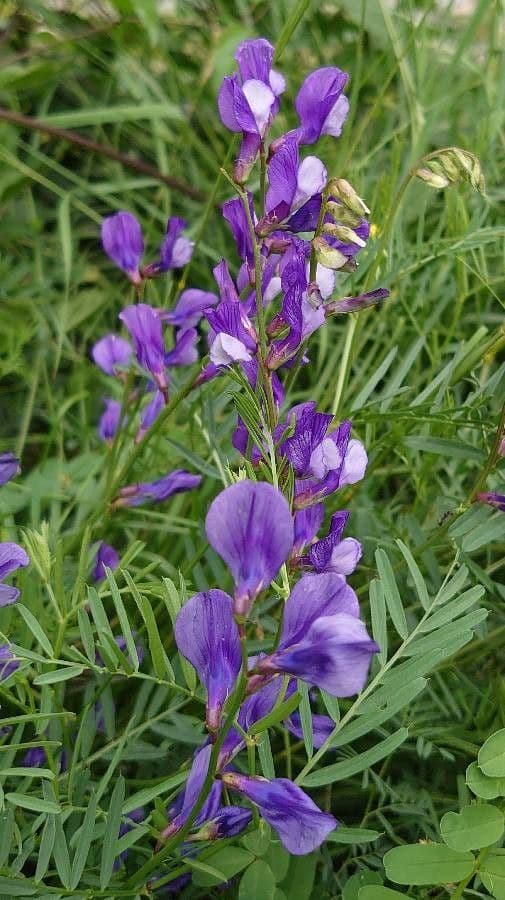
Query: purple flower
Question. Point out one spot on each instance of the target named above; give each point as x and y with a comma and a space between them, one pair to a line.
492, 499
323, 641
356, 304
334, 461
8, 662
305, 449
233, 336
300, 824
229, 821
207, 635
249, 524
109, 420
334, 554
110, 352
105, 556
307, 524
291, 185
123, 243
187, 799
175, 251
184, 351
150, 413
175, 482
145, 328
234, 213
248, 102
35, 757
189, 308
12, 557
321, 106
9, 467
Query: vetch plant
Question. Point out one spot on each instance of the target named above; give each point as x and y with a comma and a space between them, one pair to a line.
176, 721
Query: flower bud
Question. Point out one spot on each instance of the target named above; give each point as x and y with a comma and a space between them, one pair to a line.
432, 178
341, 214
328, 256
344, 233
342, 190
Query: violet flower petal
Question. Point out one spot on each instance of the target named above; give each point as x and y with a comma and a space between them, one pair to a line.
334, 655
193, 786
109, 420
123, 243
110, 352
184, 352
9, 467
249, 525
144, 325
189, 308
106, 555
300, 824
8, 662
175, 482
12, 557
316, 101
233, 212
313, 597
207, 635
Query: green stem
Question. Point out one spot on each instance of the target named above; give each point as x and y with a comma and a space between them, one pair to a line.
235, 703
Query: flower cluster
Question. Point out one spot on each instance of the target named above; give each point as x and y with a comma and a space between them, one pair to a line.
294, 242
322, 641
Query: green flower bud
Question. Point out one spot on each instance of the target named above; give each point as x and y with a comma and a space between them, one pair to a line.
328, 256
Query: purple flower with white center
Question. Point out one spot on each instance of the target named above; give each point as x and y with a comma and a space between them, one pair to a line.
304, 449
249, 525
248, 102
492, 499
9, 467
232, 337
109, 420
176, 251
323, 641
175, 482
12, 557
321, 106
8, 662
144, 325
34, 757
207, 635
187, 799
234, 213
123, 243
334, 462
300, 824
302, 307
189, 308
111, 353
106, 555
229, 822
334, 553
291, 185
